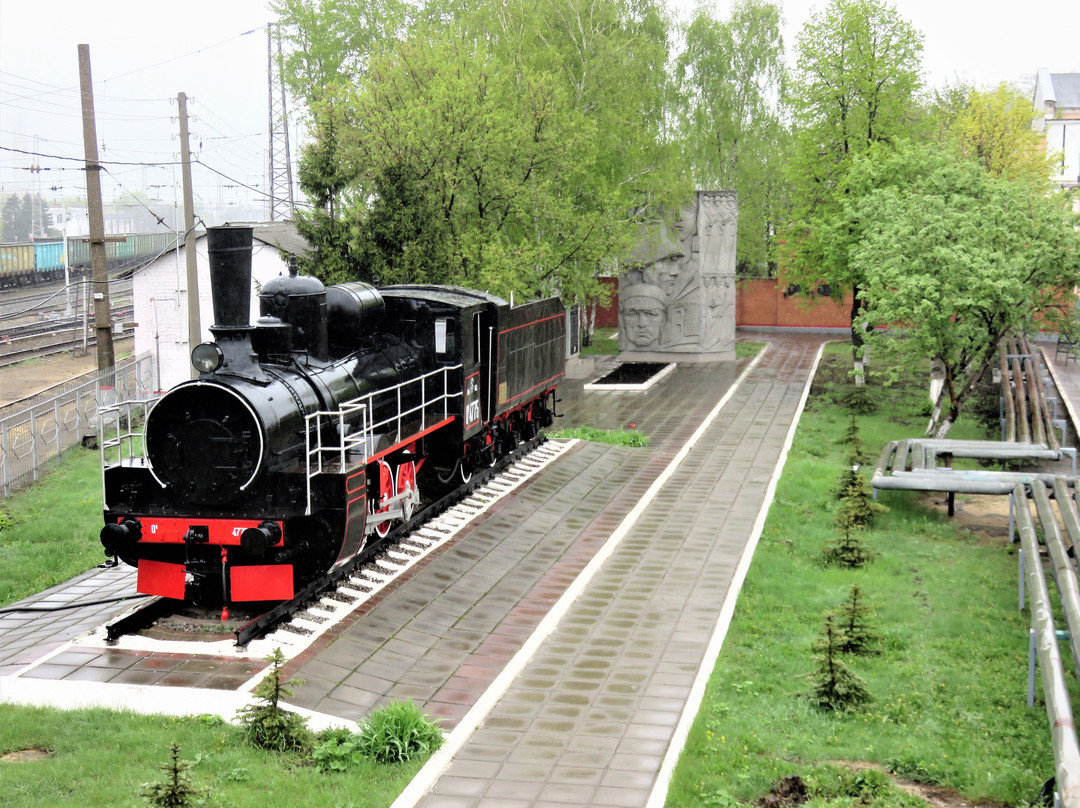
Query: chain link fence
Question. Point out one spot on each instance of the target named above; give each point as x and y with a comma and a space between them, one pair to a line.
34, 435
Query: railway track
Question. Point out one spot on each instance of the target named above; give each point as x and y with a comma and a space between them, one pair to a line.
48, 299
34, 348
298, 622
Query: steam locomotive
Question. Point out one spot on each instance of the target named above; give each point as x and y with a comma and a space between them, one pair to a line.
307, 436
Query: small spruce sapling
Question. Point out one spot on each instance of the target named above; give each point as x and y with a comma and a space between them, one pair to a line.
176, 790
834, 686
849, 550
858, 509
856, 633
266, 724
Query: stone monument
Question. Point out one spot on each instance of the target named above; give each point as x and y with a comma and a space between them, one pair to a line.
678, 302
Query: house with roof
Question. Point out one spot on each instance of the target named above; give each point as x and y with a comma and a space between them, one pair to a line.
1057, 105
161, 296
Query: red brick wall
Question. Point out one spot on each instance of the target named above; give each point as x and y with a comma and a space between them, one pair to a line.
760, 302
765, 302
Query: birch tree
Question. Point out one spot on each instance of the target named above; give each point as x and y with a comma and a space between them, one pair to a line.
856, 75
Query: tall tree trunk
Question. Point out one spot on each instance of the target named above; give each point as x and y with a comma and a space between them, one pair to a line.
858, 341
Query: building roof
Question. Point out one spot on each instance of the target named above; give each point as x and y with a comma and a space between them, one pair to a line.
1057, 91
1066, 90
282, 235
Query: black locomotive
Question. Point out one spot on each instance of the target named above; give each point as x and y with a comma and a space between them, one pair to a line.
309, 434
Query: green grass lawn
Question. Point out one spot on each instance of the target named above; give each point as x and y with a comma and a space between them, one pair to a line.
949, 681
49, 530
101, 758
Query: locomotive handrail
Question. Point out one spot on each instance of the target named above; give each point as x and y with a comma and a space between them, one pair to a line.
120, 438
357, 435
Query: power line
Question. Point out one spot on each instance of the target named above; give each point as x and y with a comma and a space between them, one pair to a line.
83, 159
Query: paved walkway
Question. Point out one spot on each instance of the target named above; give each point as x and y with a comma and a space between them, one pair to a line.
565, 635
561, 690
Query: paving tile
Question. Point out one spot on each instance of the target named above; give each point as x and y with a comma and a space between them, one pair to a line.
590, 717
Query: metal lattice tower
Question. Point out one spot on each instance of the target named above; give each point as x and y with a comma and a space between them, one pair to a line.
282, 205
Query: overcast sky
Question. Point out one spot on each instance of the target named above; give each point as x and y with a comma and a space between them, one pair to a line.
216, 52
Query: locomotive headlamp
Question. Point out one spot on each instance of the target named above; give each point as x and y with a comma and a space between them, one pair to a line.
207, 357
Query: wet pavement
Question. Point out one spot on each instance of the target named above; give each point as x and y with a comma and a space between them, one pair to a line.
564, 636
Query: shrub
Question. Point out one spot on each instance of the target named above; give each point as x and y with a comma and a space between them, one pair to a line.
397, 733
336, 750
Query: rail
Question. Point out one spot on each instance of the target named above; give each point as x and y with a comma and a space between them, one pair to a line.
1044, 634
356, 437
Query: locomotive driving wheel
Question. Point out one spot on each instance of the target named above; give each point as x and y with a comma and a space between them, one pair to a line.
386, 492
406, 486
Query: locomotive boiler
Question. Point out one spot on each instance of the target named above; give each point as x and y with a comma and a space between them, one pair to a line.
309, 434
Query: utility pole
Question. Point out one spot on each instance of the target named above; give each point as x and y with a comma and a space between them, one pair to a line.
194, 327
99, 271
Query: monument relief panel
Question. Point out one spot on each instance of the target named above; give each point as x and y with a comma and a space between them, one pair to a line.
679, 301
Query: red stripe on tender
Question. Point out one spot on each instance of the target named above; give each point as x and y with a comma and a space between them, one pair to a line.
534, 322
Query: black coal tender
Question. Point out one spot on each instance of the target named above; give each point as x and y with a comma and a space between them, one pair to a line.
308, 435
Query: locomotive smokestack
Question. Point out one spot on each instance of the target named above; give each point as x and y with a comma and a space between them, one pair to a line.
230, 275
229, 248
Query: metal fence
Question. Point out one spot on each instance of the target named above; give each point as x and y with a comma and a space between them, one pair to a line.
34, 435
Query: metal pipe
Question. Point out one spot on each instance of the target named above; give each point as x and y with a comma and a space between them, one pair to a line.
1023, 421
1040, 394
1007, 396
1064, 572
1055, 692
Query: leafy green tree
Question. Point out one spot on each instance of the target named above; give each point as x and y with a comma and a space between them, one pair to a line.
941, 107
857, 72
324, 179
730, 77
484, 157
958, 258
17, 218
328, 42
403, 236
995, 129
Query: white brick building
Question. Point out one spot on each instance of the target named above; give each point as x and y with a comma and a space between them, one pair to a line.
160, 295
1057, 102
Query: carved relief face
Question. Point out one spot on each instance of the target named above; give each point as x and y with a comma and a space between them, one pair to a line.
642, 318
667, 275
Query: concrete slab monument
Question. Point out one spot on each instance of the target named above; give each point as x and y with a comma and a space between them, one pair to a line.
678, 302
